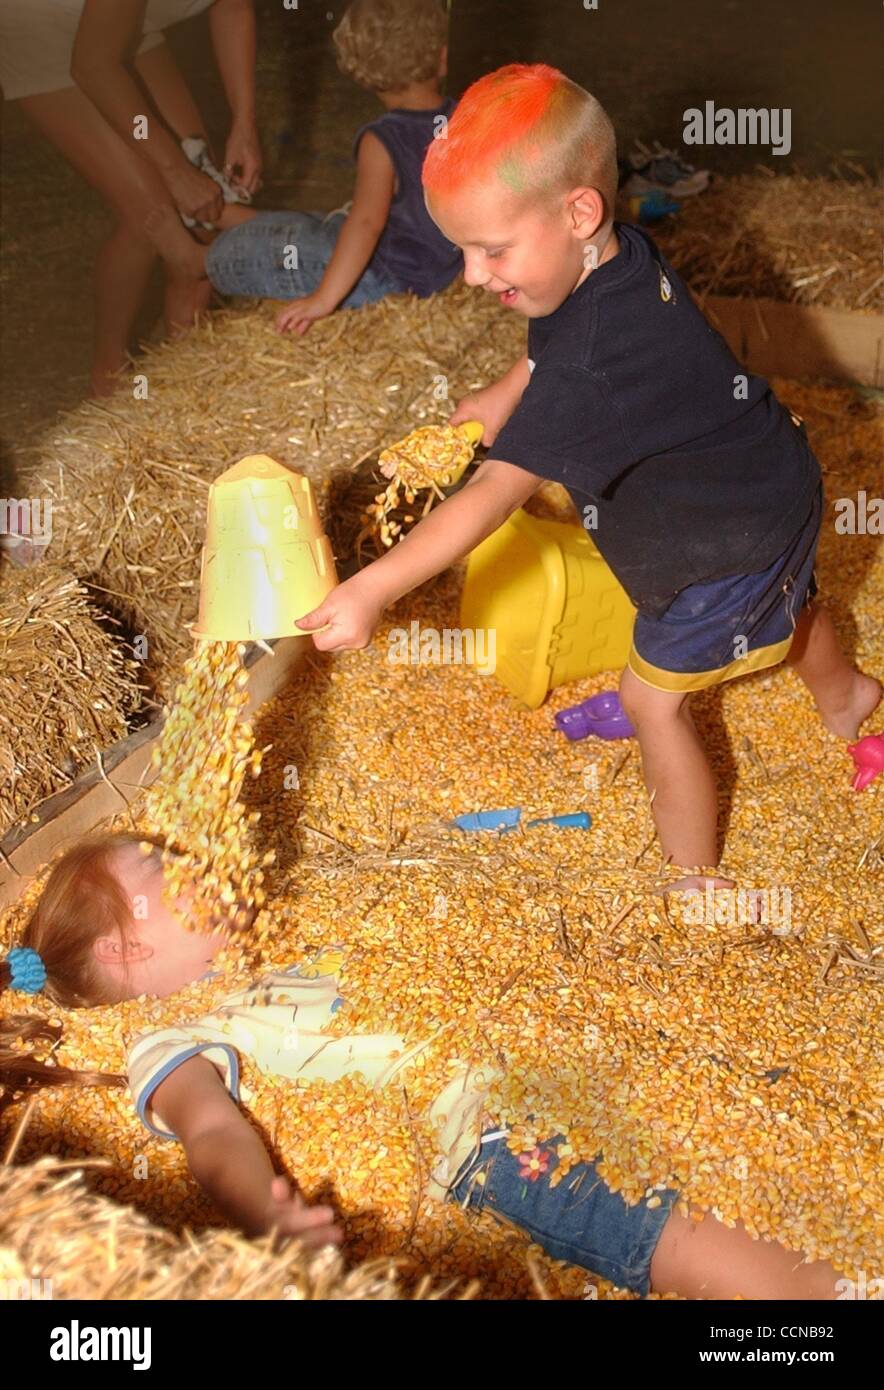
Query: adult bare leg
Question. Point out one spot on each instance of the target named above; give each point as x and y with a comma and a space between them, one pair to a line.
123, 265
134, 191
122, 271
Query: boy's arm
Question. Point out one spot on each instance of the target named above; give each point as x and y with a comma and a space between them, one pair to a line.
494, 404
351, 612
228, 1159
451, 530
365, 221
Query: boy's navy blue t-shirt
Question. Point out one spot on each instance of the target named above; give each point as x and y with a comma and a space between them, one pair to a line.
411, 247
637, 405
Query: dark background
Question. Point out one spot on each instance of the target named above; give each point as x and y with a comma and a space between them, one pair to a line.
647, 62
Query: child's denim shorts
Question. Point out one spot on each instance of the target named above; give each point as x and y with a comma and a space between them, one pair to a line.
256, 258
581, 1221
714, 631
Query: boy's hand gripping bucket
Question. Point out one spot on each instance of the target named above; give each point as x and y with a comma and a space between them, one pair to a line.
266, 560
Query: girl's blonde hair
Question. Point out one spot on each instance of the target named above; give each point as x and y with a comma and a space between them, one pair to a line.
386, 44
83, 899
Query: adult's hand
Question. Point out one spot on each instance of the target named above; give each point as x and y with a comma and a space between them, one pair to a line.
193, 193
243, 161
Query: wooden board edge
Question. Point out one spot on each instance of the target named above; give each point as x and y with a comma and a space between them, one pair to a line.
118, 775
775, 338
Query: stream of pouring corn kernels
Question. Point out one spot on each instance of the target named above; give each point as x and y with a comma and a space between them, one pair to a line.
203, 754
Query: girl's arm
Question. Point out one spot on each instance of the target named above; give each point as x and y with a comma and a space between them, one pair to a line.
107, 34
359, 235
228, 1159
232, 26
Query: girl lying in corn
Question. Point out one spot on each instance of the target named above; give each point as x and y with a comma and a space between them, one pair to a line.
86, 945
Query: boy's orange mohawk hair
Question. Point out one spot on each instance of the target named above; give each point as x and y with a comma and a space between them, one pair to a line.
530, 126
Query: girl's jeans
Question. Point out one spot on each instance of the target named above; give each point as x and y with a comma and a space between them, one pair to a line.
581, 1221
283, 255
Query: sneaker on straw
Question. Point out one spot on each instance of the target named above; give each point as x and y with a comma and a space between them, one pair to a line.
663, 170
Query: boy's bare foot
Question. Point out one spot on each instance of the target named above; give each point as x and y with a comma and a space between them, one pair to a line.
844, 696
863, 697
752, 899
696, 883
234, 215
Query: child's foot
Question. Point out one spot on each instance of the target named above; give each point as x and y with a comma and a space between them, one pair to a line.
862, 698
752, 899
696, 883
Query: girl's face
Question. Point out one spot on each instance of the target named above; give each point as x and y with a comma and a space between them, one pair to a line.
160, 955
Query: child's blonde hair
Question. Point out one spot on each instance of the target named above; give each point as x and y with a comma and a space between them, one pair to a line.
532, 128
386, 44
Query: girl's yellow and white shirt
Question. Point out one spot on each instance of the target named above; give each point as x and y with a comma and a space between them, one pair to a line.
281, 1022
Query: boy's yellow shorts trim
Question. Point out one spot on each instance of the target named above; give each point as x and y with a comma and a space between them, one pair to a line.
700, 680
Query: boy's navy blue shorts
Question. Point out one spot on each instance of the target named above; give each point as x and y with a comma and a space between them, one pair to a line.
729, 627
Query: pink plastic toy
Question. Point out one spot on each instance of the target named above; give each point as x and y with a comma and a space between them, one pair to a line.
868, 755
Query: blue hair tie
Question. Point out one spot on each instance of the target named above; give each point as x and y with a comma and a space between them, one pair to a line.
27, 971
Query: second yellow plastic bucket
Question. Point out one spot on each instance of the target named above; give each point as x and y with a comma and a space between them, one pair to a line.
557, 609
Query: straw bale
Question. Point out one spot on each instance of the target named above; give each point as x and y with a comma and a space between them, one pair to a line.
66, 686
805, 239
53, 1228
128, 477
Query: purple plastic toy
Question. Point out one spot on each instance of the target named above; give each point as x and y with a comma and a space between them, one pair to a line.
602, 715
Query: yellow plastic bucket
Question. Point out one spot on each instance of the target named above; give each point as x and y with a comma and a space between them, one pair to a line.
266, 560
558, 612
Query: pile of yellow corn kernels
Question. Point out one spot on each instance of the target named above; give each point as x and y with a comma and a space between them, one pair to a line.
738, 1061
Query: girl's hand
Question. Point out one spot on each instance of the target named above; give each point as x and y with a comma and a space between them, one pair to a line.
348, 616
194, 193
301, 313
492, 406
289, 1215
242, 157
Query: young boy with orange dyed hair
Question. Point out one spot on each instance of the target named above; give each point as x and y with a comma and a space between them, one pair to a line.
702, 492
